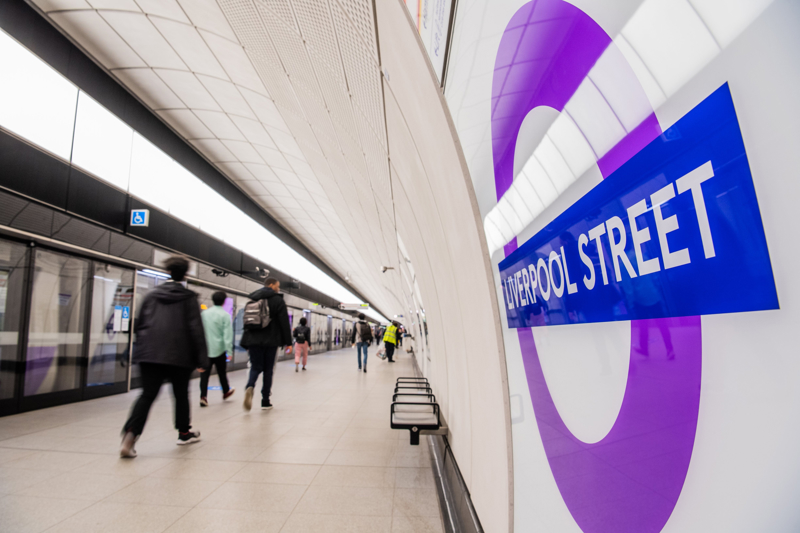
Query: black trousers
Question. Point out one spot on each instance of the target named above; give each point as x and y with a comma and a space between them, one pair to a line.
153, 376
389, 350
262, 359
221, 363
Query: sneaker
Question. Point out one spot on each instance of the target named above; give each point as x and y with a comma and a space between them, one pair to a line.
365, 370
188, 438
248, 398
228, 394
304, 368
391, 361
203, 402
126, 449
296, 367
265, 405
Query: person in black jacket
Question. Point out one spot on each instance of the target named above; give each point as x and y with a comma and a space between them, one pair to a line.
302, 341
170, 344
263, 343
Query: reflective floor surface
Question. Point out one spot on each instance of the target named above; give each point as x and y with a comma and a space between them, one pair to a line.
323, 460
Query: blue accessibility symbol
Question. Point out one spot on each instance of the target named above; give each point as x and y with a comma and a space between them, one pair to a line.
140, 217
126, 312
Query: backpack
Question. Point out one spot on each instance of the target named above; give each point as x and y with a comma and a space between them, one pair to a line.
256, 314
299, 336
365, 332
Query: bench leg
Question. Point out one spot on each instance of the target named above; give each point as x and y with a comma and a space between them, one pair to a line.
414, 437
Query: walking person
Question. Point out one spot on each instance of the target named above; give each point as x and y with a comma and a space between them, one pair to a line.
170, 344
390, 340
361, 339
302, 336
219, 339
263, 342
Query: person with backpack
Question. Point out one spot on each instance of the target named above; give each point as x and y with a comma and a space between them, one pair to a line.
219, 338
302, 336
390, 340
266, 328
361, 339
170, 345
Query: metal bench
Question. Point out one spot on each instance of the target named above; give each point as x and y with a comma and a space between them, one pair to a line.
414, 408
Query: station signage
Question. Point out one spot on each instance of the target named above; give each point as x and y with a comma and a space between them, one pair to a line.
675, 231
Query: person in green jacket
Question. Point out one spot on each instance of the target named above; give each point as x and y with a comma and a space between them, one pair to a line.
219, 338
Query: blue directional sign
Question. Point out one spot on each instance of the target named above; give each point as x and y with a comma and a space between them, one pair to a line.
140, 217
675, 231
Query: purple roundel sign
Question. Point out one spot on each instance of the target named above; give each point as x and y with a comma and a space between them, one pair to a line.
630, 480
658, 243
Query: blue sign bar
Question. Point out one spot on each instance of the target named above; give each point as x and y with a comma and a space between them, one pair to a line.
675, 231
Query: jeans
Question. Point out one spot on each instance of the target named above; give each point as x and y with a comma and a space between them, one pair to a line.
301, 352
262, 359
359, 347
153, 376
221, 363
389, 350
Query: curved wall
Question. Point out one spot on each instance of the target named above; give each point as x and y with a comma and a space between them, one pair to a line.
438, 222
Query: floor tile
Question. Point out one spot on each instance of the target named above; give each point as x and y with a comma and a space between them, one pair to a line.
195, 469
114, 465
417, 524
225, 520
13, 480
319, 523
107, 517
293, 456
53, 461
29, 514
346, 501
288, 474
416, 502
377, 457
355, 476
265, 497
414, 478
78, 486
157, 491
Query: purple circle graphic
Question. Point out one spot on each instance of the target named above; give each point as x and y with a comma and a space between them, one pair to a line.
630, 480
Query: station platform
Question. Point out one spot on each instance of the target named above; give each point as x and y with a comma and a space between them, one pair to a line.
322, 460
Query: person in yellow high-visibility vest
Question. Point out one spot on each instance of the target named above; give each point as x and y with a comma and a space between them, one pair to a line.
390, 340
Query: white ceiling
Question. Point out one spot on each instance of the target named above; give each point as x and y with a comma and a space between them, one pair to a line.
283, 96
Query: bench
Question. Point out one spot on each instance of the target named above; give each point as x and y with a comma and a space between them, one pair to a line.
414, 408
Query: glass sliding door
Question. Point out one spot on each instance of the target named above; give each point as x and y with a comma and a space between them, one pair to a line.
57, 323
109, 330
13, 290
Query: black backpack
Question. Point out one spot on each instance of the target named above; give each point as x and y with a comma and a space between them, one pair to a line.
256, 314
365, 332
299, 336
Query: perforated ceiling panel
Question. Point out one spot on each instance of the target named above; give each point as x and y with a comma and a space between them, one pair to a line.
283, 96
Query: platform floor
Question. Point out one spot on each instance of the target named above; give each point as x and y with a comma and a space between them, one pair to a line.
323, 460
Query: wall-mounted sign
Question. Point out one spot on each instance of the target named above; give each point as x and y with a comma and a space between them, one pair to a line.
140, 217
675, 231
353, 307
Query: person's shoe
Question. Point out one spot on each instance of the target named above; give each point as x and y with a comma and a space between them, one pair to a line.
359, 369
203, 402
126, 449
365, 370
296, 367
228, 394
304, 368
248, 398
188, 438
391, 361
265, 405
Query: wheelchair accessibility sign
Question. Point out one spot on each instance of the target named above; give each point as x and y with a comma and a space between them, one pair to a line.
140, 217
